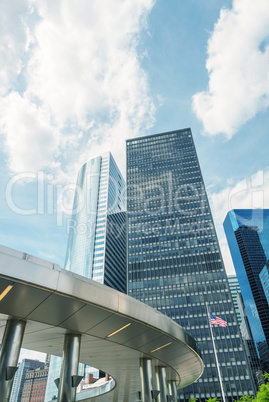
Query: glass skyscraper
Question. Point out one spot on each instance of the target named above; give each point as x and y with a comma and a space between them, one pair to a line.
264, 277
97, 231
23, 367
248, 341
250, 349
97, 236
247, 232
174, 261
235, 288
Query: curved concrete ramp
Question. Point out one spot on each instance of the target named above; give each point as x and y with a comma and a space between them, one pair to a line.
116, 329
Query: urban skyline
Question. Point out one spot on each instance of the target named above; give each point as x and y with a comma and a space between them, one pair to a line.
72, 90
185, 167
136, 92
177, 176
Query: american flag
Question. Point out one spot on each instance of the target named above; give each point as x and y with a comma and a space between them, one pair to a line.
217, 321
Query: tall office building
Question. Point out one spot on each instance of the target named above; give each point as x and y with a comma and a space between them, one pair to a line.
235, 288
174, 261
247, 232
24, 366
97, 236
249, 344
35, 382
264, 277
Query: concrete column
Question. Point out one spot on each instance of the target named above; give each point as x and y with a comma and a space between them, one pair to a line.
11, 346
172, 390
69, 370
161, 383
146, 380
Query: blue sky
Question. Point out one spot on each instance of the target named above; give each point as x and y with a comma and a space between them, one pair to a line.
79, 78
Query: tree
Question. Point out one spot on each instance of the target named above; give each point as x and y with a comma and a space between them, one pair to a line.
193, 399
245, 398
263, 393
212, 399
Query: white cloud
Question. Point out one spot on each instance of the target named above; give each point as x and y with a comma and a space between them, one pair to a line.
238, 67
249, 193
30, 354
83, 82
30, 140
13, 41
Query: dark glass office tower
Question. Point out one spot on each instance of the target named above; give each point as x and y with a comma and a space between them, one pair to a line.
248, 341
247, 232
174, 261
264, 277
235, 288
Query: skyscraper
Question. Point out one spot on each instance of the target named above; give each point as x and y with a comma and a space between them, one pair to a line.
97, 231
174, 261
97, 236
235, 288
35, 382
247, 232
264, 277
24, 366
249, 344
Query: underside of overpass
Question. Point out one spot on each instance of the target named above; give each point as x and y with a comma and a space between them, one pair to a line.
116, 333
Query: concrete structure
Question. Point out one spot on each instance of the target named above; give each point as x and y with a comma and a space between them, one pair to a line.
174, 260
62, 310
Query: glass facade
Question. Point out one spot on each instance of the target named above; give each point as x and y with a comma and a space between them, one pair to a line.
235, 288
19, 379
34, 387
54, 372
247, 232
174, 261
97, 231
97, 237
248, 341
264, 277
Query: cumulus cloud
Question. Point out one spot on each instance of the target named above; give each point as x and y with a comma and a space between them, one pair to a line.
30, 140
14, 41
30, 354
83, 82
238, 68
249, 193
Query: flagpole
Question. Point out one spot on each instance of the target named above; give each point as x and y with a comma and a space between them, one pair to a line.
215, 351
